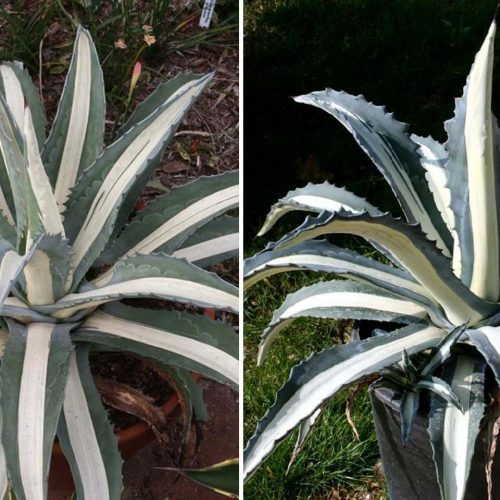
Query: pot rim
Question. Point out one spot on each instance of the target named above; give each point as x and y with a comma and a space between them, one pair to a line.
140, 428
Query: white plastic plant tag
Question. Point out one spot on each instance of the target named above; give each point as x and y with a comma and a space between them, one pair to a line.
207, 13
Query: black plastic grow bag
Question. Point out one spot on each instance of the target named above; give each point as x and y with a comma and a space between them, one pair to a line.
410, 471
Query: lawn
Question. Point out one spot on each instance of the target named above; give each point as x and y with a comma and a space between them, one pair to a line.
334, 463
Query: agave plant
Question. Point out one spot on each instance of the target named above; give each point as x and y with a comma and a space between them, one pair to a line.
439, 275
65, 206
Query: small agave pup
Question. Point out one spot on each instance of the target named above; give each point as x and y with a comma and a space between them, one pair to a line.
65, 202
443, 280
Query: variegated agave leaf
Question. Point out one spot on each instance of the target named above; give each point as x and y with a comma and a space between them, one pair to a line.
443, 277
64, 202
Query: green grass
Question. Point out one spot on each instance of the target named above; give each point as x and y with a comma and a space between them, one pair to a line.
332, 458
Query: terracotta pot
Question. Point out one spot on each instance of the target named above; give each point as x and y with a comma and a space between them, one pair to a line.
130, 441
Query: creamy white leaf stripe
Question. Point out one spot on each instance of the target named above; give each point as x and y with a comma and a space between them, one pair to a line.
4, 207
12, 157
4, 335
433, 159
487, 341
14, 94
199, 352
4, 480
308, 397
38, 276
80, 105
40, 184
335, 300
199, 251
10, 267
481, 174
456, 426
31, 415
190, 216
454, 442
296, 262
374, 141
177, 289
348, 299
83, 438
407, 254
316, 198
126, 168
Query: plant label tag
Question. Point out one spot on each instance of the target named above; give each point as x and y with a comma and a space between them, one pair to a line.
207, 13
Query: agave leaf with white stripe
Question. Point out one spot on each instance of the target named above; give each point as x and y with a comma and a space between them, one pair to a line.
486, 340
4, 479
409, 247
7, 208
458, 165
11, 266
5, 246
103, 187
222, 477
18, 90
316, 198
160, 95
482, 174
33, 377
86, 435
77, 132
18, 155
322, 256
453, 433
155, 276
339, 300
11, 149
7, 230
441, 352
188, 341
48, 271
410, 402
459, 197
321, 376
440, 388
434, 158
171, 218
48, 210
17, 310
387, 143
213, 242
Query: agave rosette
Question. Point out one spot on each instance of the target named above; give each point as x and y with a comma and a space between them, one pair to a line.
443, 280
65, 204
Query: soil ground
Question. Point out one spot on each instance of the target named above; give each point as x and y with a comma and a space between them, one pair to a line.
145, 480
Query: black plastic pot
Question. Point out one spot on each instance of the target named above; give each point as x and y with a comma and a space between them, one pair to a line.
409, 471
